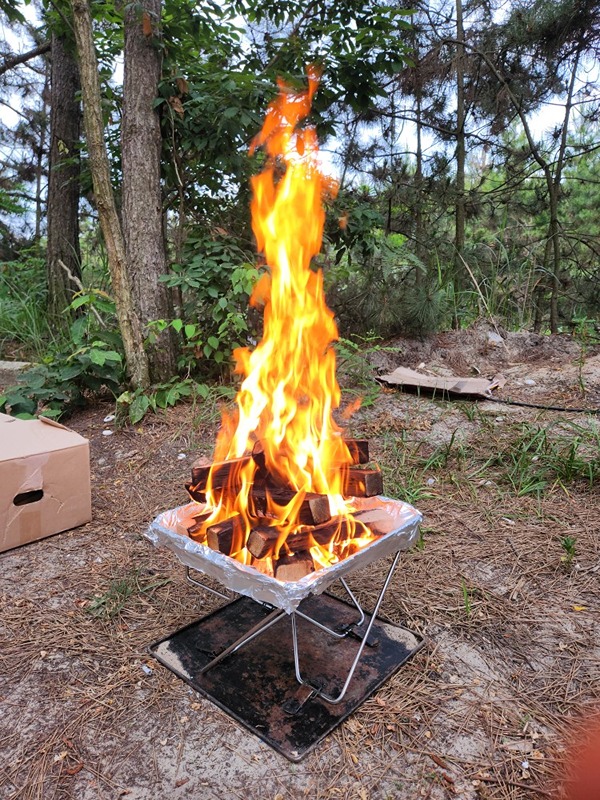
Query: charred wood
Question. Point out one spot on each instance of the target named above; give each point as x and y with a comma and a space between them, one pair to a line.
313, 510
359, 450
221, 473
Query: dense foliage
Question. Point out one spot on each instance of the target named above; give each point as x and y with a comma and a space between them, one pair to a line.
417, 239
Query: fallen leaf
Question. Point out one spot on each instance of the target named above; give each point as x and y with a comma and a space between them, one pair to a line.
579, 608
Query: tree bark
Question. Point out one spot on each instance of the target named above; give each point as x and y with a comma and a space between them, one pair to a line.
420, 248
63, 179
142, 201
40, 160
129, 323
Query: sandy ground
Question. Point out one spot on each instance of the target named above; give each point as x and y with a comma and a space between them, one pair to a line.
485, 709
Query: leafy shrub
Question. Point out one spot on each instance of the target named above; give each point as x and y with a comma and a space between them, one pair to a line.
89, 363
215, 281
137, 403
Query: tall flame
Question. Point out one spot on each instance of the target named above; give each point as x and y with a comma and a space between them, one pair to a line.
290, 389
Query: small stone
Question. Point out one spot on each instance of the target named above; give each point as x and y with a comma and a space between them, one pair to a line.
494, 338
107, 433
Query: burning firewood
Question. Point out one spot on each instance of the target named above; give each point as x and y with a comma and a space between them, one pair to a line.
263, 540
222, 475
292, 568
313, 510
196, 529
360, 482
264, 565
285, 405
359, 450
221, 472
226, 536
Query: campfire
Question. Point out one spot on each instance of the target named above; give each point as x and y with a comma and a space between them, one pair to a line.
288, 506
280, 492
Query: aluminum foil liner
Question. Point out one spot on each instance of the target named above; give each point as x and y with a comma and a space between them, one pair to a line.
169, 530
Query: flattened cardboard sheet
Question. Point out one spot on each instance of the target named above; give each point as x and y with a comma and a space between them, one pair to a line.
409, 380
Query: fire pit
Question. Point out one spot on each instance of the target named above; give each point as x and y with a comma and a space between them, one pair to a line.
288, 506
249, 656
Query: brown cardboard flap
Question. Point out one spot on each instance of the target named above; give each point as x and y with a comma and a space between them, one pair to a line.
44, 480
412, 381
53, 422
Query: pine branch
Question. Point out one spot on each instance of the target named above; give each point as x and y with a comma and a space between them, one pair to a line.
22, 58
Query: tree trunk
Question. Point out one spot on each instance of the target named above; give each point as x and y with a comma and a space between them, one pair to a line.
142, 202
554, 241
420, 248
63, 179
459, 235
40, 159
131, 330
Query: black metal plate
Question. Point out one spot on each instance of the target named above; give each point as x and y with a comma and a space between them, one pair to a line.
254, 684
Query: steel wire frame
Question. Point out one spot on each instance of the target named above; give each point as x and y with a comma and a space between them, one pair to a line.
276, 614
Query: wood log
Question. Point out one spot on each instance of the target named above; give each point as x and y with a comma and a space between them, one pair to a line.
377, 521
197, 525
313, 511
361, 482
197, 495
293, 568
359, 450
263, 479
262, 541
226, 537
264, 565
222, 473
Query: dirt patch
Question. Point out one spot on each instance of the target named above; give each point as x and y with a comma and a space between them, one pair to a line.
509, 611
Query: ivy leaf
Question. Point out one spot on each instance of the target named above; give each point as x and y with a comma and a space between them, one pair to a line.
138, 408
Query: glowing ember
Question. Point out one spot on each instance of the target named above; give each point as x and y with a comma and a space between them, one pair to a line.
289, 391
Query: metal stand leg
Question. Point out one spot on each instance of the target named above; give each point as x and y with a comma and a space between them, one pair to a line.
255, 631
301, 680
196, 582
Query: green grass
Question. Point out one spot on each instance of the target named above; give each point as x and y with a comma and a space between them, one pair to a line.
111, 602
24, 323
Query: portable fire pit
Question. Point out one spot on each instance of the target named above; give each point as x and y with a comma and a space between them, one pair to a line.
287, 660
288, 506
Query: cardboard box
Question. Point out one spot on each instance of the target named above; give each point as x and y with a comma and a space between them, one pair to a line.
44, 480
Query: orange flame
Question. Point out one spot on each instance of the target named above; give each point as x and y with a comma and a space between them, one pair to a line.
290, 390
